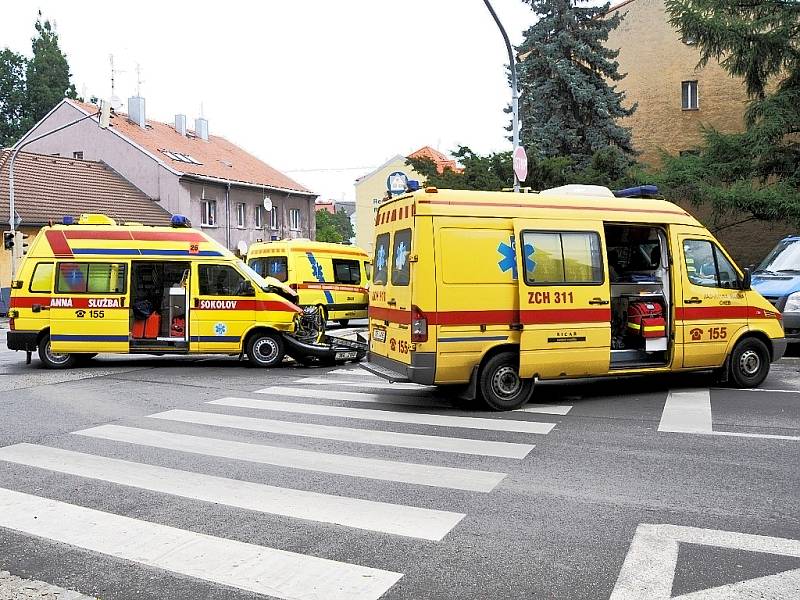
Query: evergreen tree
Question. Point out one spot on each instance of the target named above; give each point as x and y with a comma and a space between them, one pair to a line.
48, 76
756, 171
335, 227
12, 97
567, 106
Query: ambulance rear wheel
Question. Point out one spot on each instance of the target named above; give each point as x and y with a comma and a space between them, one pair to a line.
54, 360
265, 349
343, 322
501, 386
749, 363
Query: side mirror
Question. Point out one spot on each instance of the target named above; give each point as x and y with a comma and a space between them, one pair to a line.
747, 280
249, 290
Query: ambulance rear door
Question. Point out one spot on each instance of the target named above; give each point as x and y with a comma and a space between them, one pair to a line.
88, 309
565, 298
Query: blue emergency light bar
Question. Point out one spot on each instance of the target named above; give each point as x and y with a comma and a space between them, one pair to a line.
68, 221
180, 221
413, 185
640, 191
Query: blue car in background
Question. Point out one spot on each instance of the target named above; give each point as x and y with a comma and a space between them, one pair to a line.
778, 280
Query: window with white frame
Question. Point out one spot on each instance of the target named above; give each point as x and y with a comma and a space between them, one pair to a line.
273, 218
294, 219
209, 212
689, 95
241, 215
259, 217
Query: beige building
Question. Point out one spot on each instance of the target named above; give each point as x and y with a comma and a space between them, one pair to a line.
675, 97
390, 177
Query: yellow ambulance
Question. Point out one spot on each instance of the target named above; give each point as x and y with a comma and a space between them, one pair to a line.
498, 290
333, 277
90, 285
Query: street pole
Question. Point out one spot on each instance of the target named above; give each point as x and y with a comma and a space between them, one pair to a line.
514, 92
12, 212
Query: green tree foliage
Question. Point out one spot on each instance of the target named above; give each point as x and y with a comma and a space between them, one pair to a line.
567, 106
757, 171
608, 167
12, 97
335, 228
31, 88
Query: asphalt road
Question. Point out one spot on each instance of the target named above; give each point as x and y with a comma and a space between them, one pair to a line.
626, 489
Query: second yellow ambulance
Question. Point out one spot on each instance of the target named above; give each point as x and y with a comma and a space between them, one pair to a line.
496, 290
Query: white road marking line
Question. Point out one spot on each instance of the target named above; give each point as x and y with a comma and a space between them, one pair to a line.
546, 409
758, 390
339, 464
387, 416
690, 412
347, 434
687, 412
382, 385
258, 569
358, 372
316, 394
649, 568
395, 519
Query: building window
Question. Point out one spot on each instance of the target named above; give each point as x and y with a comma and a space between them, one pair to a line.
689, 95
241, 215
209, 209
294, 219
259, 217
78, 155
273, 218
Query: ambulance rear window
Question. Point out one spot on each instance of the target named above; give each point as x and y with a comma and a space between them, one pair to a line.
42, 278
401, 272
381, 264
274, 266
91, 278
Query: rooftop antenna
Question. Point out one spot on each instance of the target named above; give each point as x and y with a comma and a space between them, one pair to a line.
202, 112
139, 80
115, 101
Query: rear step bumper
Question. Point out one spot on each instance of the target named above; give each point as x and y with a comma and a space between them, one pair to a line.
422, 369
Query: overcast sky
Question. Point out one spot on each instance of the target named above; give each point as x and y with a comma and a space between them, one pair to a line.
304, 84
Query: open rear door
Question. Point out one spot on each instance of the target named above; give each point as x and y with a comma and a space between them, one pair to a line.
565, 298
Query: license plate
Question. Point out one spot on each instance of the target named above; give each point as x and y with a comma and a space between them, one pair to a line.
346, 355
379, 335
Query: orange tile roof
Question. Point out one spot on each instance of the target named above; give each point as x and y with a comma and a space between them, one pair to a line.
220, 158
441, 161
51, 187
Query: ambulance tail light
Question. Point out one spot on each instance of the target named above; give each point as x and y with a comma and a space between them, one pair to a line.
419, 325
293, 286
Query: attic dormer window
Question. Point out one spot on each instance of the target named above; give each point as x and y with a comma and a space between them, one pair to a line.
180, 157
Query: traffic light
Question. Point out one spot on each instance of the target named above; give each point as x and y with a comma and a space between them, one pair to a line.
8, 240
21, 243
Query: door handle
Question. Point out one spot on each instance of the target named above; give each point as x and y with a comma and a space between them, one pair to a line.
391, 302
694, 300
598, 301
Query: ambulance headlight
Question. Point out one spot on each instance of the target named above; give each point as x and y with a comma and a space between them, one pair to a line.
792, 303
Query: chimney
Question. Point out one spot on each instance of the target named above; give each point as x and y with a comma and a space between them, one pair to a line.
180, 124
201, 128
136, 110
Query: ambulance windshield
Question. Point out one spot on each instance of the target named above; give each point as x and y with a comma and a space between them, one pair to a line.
269, 284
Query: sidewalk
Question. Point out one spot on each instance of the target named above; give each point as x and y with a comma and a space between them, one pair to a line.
16, 588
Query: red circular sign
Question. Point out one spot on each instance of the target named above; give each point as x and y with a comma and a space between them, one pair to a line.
520, 163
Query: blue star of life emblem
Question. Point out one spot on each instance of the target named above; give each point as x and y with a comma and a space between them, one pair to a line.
509, 260
220, 329
381, 257
400, 256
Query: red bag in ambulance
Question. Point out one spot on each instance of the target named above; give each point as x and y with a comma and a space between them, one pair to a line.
646, 320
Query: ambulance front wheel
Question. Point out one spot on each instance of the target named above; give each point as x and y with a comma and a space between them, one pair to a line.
501, 386
749, 363
54, 360
265, 349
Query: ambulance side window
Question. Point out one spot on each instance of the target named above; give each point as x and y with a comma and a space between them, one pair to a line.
274, 266
562, 257
42, 278
346, 271
222, 280
707, 266
401, 271
381, 265
91, 278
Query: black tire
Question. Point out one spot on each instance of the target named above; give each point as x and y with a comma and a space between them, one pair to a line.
749, 363
265, 349
84, 357
54, 361
500, 385
343, 322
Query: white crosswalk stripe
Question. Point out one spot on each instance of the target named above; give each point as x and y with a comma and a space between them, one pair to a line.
369, 383
407, 521
347, 434
391, 416
258, 569
340, 464
295, 392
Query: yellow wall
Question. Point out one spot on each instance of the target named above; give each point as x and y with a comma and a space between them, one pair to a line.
370, 191
657, 62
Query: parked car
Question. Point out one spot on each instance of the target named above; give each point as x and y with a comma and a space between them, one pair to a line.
778, 279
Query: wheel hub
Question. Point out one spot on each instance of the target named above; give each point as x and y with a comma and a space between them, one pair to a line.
55, 357
265, 349
506, 382
750, 362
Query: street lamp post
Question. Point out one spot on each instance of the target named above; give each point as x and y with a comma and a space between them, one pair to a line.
11, 209
514, 92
